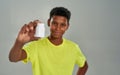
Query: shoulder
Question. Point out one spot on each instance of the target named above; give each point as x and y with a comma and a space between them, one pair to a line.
73, 46
71, 43
36, 42
42, 39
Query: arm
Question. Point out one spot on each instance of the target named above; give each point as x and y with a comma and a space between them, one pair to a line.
83, 70
25, 35
16, 52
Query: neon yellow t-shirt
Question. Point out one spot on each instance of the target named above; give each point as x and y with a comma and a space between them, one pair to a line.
48, 59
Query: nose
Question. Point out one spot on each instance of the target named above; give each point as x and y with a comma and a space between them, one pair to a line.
58, 27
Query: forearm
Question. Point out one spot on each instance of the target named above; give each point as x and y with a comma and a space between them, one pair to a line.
16, 52
83, 70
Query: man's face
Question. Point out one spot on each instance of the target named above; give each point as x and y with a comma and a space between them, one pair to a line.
58, 25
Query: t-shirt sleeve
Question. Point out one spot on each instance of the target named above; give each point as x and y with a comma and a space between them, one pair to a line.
80, 58
29, 49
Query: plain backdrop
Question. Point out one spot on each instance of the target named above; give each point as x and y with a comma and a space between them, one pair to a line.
94, 25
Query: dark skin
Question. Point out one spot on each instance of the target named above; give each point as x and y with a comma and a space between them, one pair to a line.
57, 24
83, 70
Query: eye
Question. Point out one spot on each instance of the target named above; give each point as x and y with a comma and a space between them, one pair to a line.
54, 23
63, 24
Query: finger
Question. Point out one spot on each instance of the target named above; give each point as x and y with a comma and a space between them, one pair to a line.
27, 29
31, 26
36, 22
23, 29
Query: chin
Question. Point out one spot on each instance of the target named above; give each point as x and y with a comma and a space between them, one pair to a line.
57, 37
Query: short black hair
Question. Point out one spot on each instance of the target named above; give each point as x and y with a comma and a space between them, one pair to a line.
60, 11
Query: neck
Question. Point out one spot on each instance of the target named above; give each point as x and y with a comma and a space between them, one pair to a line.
55, 41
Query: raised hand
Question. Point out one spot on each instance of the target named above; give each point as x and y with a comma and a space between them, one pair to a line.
27, 32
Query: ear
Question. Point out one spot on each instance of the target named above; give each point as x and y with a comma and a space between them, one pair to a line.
67, 27
48, 22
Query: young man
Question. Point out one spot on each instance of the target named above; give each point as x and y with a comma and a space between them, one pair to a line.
52, 55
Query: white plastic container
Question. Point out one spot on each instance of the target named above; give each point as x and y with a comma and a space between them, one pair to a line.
40, 30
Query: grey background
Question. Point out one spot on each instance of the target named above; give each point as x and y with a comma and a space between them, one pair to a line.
94, 25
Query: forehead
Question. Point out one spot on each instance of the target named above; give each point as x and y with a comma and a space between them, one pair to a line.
59, 18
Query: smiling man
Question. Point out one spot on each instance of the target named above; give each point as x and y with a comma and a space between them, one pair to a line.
52, 55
